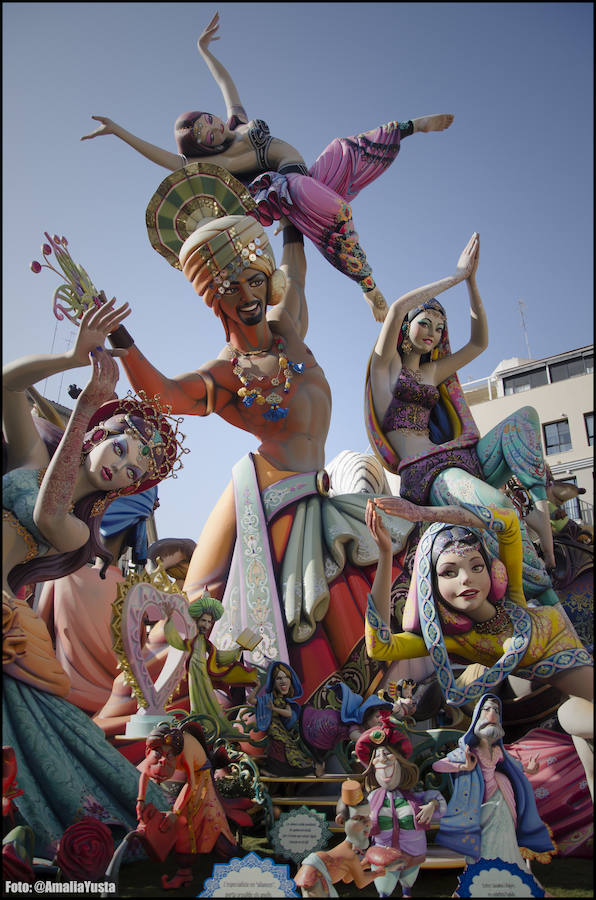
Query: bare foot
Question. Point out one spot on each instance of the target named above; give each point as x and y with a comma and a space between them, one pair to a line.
432, 123
319, 769
377, 303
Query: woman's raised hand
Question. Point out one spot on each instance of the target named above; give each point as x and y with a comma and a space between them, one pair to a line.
106, 127
103, 379
397, 506
96, 324
209, 34
468, 260
377, 528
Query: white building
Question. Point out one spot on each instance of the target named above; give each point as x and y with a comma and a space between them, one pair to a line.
560, 388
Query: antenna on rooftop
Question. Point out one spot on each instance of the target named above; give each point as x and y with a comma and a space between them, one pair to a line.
522, 306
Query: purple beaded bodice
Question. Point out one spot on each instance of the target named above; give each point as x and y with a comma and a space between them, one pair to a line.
411, 405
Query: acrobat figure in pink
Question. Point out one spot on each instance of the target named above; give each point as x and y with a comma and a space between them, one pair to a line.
315, 200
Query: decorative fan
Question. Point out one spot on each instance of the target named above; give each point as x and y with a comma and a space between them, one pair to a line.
188, 197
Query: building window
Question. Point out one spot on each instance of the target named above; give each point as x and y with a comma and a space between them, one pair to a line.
556, 437
571, 506
569, 368
589, 423
525, 381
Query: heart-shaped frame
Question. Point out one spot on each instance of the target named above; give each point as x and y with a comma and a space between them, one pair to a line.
143, 598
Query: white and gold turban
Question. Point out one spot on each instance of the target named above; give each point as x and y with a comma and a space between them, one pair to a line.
218, 251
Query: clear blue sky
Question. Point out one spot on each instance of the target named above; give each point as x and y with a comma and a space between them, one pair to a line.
515, 166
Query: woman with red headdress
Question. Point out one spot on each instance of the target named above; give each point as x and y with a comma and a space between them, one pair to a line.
53, 498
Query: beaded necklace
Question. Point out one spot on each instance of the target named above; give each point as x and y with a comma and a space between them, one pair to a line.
495, 625
274, 400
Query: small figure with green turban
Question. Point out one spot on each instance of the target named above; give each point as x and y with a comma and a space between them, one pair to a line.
207, 667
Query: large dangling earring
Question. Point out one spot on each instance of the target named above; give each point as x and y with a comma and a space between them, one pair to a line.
406, 344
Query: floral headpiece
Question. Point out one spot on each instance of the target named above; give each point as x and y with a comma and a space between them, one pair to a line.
386, 733
78, 292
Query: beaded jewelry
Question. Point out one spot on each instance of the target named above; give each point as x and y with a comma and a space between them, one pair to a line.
406, 344
495, 625
157, 430
31, 543
250, 395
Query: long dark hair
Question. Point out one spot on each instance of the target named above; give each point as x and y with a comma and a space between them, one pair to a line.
56, 565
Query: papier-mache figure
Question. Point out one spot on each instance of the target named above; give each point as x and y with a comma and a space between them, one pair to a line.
278, 714
421, 427
208, 667
400, 815
492, 812
316, 200
53, 495
323, 729
77, 608
309, 551
402, 693
202, 826
348, 862
464, 604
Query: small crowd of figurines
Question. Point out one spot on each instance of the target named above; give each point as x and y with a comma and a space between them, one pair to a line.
288, 589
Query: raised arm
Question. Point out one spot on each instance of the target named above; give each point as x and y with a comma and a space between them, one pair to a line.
293, 264
52, 512
171, 161
478, 325
25, 447
222, 77
194, 394
385, 351
381, 587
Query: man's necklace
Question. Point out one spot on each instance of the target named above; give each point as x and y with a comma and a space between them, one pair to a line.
254, 394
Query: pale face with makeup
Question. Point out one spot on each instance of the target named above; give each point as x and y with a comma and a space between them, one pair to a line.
282, 682
115, 463
426, 330
463, 579
210, 130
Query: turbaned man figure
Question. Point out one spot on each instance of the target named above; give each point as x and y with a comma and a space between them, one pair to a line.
286, 560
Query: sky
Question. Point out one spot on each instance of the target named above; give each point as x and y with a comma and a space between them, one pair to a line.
516, 166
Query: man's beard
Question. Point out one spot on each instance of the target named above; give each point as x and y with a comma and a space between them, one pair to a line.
491, 733
356, 836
